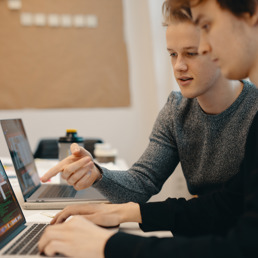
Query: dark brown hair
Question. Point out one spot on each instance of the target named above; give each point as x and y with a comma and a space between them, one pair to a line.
236, 7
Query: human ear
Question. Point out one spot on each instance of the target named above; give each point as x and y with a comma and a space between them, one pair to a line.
255, 15
252, 20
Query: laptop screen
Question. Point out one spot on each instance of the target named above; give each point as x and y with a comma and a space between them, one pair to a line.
11, 216
21, 155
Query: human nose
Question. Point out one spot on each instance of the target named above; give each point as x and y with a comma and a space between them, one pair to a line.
204, 45
180, 64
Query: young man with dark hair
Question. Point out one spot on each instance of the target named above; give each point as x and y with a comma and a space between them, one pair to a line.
198, 127
229, 33
221, 224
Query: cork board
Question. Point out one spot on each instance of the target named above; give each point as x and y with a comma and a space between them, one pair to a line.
56, 67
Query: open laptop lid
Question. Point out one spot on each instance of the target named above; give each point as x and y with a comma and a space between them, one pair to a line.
12, 219
21, 155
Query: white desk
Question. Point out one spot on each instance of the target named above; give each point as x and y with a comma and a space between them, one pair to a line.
44, 216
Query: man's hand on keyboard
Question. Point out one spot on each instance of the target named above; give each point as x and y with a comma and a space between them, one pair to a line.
102, 214
78, 169
76, 238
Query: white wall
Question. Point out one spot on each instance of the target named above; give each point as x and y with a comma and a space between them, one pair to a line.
150, 76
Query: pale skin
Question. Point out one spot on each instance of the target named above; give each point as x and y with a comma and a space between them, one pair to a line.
230, 40
198, 77
79, 236
76, 238
78, 169
103, 214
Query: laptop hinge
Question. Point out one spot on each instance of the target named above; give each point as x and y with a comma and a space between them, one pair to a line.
12, 235
29, 194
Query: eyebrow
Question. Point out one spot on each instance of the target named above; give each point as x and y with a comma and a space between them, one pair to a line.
184, 48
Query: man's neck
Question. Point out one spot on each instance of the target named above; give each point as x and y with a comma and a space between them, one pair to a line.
222, 97
253, 75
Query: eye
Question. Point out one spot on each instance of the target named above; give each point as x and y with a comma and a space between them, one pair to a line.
205, 27
174, 54
191, 54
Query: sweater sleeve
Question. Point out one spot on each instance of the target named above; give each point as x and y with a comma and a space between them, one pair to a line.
146, 177
128, 246
212, 213
239, 241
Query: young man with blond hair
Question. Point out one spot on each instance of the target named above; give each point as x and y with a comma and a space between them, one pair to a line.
220, 224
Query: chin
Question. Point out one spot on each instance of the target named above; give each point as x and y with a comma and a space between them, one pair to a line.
234, 73
189, 95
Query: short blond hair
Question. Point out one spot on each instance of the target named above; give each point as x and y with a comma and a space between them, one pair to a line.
171, 12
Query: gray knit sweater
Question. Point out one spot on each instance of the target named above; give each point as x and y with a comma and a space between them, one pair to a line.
209, 147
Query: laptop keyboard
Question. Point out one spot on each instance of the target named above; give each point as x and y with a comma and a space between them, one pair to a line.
28, 242
53, 191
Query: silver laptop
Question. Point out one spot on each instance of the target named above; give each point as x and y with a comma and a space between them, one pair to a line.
35, 194
17, 238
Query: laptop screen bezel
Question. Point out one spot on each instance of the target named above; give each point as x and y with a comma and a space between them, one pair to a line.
34, 189
20, 223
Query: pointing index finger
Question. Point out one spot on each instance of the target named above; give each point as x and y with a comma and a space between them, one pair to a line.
53, 171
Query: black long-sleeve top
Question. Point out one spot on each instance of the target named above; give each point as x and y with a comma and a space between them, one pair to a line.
221, 224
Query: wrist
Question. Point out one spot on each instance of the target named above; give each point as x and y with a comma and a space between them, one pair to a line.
99, 173
106, 236
130, 212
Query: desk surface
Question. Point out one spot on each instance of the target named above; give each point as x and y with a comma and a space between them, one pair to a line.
45, 216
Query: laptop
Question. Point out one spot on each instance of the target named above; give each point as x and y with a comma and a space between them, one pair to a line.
35, 194
17, 238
